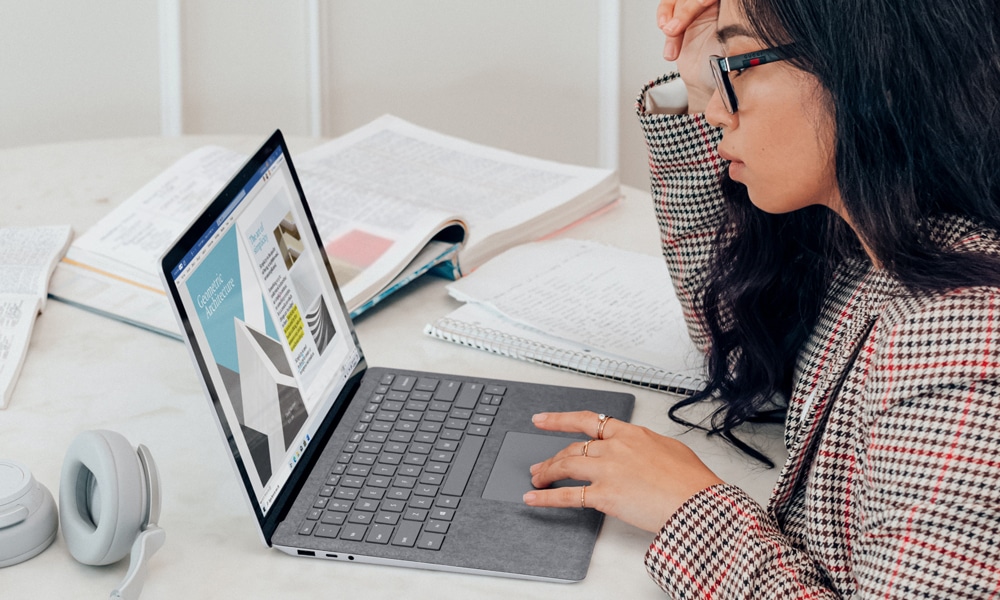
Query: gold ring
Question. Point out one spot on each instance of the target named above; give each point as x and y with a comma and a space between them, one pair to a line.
583, 497
600, 426
586, 447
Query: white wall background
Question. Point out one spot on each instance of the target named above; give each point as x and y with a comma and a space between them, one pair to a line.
550, 78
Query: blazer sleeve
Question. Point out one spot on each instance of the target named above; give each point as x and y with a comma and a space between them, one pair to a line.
685, 170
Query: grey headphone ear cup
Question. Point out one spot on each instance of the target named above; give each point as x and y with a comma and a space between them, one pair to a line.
103, 500
28, 521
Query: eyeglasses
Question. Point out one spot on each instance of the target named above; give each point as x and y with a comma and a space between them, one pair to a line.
722, 66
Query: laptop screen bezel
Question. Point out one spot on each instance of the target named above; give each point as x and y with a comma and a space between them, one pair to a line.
218, 208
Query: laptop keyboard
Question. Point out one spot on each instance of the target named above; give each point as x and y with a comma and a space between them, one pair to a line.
399, 477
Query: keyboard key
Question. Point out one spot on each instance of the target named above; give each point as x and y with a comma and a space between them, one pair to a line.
393, 505
403, 437
408, 426
468, 396
425, 490
398, 493
499, 390
423, 502
370, 447
327, 531
372, 493
415, 459
432, 427
425, 438
333, 518
430, 541
461, 413
334, 479
421, 396
461, 468
385, 470
480, 430
406, 534
404, 383
421, 448
396, 447
482, 420
485, 409
451, 434
432, 478
307, 528
442, 456
381, 481
436, 467
413, 404
437, 526
447, 391
366, 504
355, 470
415, 514
410, 470
426, 384
435, 417
379, 534
448, 501
405, 482
387, 379
388, 518
390, 459
443, 514
354, 531
314, 514
361, 517
345, 494
440, 406
340, 505
394, 406
352, 482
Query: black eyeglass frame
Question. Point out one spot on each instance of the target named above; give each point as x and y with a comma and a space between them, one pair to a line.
723, 65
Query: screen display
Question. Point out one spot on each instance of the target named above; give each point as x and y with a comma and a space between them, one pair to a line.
265, 317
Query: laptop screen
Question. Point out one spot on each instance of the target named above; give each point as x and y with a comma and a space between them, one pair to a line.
264, 320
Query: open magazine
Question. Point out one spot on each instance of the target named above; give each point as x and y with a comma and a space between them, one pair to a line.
391, 201
27, 257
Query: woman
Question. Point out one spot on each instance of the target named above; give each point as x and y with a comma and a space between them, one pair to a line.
831, 225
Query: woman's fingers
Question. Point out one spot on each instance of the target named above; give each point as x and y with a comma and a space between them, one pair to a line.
673, 18
585, 422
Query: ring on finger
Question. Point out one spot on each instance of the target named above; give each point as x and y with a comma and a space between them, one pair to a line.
586, 447
583, 497
602, 421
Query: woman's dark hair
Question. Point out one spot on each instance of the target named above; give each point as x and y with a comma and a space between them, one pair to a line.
914, 92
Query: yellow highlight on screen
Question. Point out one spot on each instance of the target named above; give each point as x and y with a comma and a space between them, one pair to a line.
294, 329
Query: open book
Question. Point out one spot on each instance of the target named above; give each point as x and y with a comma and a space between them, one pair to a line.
578, 306
27, 257
391, 201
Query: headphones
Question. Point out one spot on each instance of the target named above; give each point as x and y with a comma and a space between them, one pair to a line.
109, 502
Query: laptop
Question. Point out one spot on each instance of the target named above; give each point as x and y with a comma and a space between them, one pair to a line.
344, 461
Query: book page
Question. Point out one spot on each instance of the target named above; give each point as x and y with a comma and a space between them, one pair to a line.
130, 239
393, 172
17, 316
601, 298
27, 257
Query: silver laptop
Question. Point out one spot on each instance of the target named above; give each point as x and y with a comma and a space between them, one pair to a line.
343, 461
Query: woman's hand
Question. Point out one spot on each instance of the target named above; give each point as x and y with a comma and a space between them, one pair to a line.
689, 26
635, 475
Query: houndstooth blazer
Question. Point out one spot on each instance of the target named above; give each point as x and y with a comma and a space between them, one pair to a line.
892, 484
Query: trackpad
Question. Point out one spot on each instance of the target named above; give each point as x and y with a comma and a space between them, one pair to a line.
510, 479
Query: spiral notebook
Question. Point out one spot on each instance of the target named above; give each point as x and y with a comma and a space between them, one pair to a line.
578, 306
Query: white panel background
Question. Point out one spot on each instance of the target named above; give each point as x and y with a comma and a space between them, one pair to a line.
551, 78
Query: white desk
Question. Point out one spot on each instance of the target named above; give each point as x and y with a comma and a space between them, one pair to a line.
84, 371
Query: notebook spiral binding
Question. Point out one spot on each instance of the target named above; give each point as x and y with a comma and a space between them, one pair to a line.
497, 342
